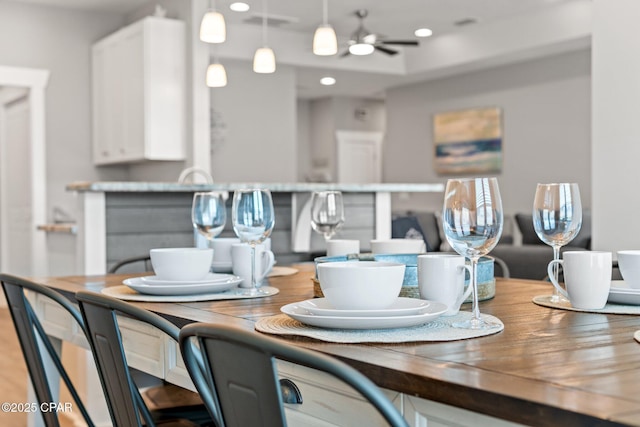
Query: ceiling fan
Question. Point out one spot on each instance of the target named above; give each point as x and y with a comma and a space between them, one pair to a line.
364, 42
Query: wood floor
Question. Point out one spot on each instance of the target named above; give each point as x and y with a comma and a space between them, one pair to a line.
13, 374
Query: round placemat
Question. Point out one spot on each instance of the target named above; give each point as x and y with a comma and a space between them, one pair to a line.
278, 271
437, 330
544, 300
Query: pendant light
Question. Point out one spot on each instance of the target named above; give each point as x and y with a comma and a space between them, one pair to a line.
216, 74
325, 42
213, 28
264, 60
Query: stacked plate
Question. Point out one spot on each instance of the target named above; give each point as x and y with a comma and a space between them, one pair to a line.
213, 282
404, 312
622, 293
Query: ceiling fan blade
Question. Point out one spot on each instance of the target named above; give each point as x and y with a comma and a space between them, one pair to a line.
400, 42
345, 53
386, 50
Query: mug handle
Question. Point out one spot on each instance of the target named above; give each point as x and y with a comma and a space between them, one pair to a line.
268, 260
554, 281
466, 293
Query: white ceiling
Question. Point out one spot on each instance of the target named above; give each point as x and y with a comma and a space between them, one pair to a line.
395, 19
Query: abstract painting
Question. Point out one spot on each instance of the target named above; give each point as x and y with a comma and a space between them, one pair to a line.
468, 141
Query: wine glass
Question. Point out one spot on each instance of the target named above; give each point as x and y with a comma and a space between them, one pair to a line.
253, 220
327, 212
472, 220
557, 218
208, 214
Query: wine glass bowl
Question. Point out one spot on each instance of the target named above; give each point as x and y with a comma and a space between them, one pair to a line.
472, 222
327, 212
208, 213
557, 218
253, 220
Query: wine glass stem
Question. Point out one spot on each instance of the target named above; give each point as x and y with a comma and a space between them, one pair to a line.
253, 268
474, 282
556, 271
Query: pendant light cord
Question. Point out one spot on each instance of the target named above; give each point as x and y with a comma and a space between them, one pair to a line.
325, 12
264, 23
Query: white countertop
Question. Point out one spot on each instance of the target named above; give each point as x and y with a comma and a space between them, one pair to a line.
116, 186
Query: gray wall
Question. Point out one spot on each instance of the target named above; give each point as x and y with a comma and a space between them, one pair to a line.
546, 121
545, 103
60, 40
257, 114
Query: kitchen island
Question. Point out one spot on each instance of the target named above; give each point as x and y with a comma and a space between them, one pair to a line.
118, 220
549, 367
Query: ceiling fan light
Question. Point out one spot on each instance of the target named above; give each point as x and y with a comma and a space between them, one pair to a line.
264, 61
216, 75
361, 49
325, 42
213, 28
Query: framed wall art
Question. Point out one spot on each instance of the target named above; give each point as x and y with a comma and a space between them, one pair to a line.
468, 141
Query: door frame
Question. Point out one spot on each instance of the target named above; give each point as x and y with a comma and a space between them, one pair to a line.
35, 81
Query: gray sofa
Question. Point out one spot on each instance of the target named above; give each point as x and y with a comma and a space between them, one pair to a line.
525, 261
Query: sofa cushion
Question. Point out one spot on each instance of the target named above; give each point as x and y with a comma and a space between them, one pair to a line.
529, 236
525, 225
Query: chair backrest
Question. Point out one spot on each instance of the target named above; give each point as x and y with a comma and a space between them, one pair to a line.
33, 339
239, 377
126, 406
137, 264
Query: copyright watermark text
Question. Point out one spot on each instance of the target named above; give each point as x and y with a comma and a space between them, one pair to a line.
37, 407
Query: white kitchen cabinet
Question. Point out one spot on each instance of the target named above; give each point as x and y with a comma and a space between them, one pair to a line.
426, 413
139, 93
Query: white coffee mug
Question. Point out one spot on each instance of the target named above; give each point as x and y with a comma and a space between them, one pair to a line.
340, 247
441, 279
222, 262
587, 277
241, 258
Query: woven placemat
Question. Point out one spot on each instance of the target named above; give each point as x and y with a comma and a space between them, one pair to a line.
437, 330
544, 300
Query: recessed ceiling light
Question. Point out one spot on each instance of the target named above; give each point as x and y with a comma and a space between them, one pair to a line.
239, 6
327, 81
423, 32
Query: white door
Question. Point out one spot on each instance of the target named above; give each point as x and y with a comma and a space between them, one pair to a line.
359, 156
15, 182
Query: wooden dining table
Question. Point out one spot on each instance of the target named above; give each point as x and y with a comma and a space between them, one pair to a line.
548, 367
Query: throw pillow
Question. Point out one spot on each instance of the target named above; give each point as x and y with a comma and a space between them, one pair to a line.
408, 227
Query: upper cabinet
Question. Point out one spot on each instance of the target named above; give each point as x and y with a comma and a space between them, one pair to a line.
139, 93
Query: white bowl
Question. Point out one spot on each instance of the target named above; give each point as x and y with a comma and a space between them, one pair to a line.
181, 264
360, 285
629, 264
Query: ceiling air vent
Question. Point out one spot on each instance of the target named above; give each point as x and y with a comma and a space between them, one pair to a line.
466, 21
272, 20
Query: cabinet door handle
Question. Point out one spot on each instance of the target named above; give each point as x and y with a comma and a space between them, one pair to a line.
290, 392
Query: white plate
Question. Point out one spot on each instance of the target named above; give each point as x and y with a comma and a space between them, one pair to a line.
209, 278
127, 294
137, 284
621, 293
431, 312
401, 307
